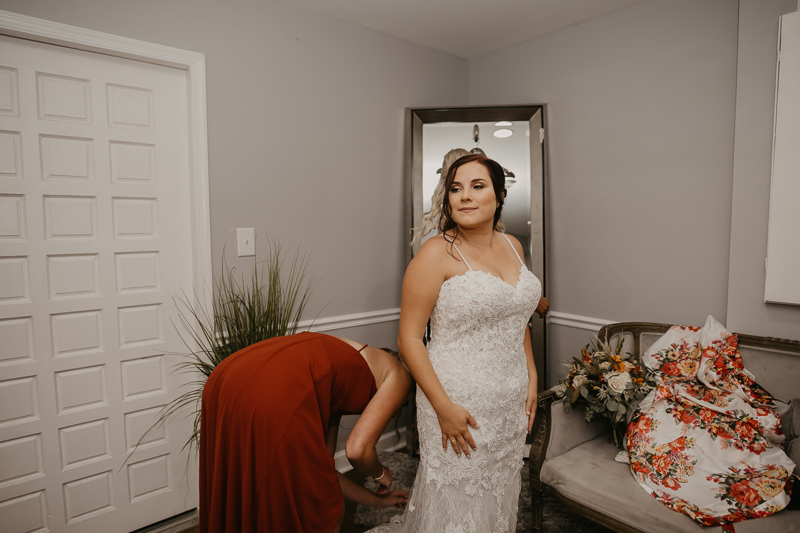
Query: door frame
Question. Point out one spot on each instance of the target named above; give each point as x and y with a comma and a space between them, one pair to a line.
45, 31
194, 64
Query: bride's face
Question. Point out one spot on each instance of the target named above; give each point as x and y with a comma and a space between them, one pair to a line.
471, 196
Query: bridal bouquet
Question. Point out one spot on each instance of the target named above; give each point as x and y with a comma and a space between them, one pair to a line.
610, 384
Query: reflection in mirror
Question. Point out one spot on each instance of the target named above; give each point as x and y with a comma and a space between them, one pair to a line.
511, 151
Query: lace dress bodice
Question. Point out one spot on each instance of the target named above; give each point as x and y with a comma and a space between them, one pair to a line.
477, 333
476, 348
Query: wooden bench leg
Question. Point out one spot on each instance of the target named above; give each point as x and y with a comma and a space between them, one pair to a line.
537, 502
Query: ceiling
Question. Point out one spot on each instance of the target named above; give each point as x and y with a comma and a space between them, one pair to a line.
465, 28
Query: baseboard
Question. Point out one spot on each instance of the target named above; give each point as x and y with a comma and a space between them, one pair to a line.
387, 443
176, 524
576, 321
350, 321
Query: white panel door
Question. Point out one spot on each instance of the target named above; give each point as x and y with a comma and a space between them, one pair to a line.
95, 240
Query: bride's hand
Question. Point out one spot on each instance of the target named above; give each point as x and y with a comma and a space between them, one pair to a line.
530, 403
455, 421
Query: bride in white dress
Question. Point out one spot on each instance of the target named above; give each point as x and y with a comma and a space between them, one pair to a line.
476, 381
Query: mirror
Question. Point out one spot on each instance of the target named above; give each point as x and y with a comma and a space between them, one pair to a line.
432, 132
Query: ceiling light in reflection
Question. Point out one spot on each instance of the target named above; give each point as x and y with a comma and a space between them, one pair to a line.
503, 133
503, 124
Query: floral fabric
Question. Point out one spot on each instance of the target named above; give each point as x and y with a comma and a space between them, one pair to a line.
707, 441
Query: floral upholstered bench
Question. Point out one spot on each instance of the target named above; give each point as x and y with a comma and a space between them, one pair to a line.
574, 460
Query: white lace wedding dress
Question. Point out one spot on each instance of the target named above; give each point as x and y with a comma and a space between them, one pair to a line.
476, 348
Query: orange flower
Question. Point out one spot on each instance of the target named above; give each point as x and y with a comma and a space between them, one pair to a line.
663, 392
745, 494
707, 415
670, 483
757, 448
745, 431
671, 369
678, 445
661, 463
723, 433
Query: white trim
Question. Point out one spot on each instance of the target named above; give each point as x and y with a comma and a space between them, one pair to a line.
384, 445
577, 321
176, 524
350, 321
45, 31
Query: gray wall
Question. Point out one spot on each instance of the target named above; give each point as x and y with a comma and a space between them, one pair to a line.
305, 127
755, 101
641, 113
660, 148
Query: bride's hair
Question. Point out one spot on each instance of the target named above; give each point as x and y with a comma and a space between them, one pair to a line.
431, 217
446, 222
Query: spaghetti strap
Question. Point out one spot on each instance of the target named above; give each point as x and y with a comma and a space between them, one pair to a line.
512, 247
359, 350
457, 250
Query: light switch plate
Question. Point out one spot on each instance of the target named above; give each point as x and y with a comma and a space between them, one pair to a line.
246, 240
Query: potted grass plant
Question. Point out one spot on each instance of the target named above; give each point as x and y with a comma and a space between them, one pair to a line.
243, 311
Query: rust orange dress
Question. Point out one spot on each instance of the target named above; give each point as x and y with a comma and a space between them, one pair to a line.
264, 465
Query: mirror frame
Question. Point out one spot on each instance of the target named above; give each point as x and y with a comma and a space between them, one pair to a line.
415, 119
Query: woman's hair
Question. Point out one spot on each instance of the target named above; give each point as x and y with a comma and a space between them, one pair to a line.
446, 222
397, 357
431, 217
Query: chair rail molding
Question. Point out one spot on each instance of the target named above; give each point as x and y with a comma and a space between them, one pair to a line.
350, 321
390, 315
577, 321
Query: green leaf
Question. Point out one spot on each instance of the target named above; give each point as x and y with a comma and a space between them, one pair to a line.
611, 405
242, 312
584, 391
621, 409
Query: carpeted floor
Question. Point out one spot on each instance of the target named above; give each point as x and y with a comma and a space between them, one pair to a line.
556, 519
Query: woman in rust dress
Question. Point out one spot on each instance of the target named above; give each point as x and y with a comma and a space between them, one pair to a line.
269, 425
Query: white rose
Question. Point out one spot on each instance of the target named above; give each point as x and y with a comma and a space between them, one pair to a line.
578, 381
560, 389
605, 366
617, 381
